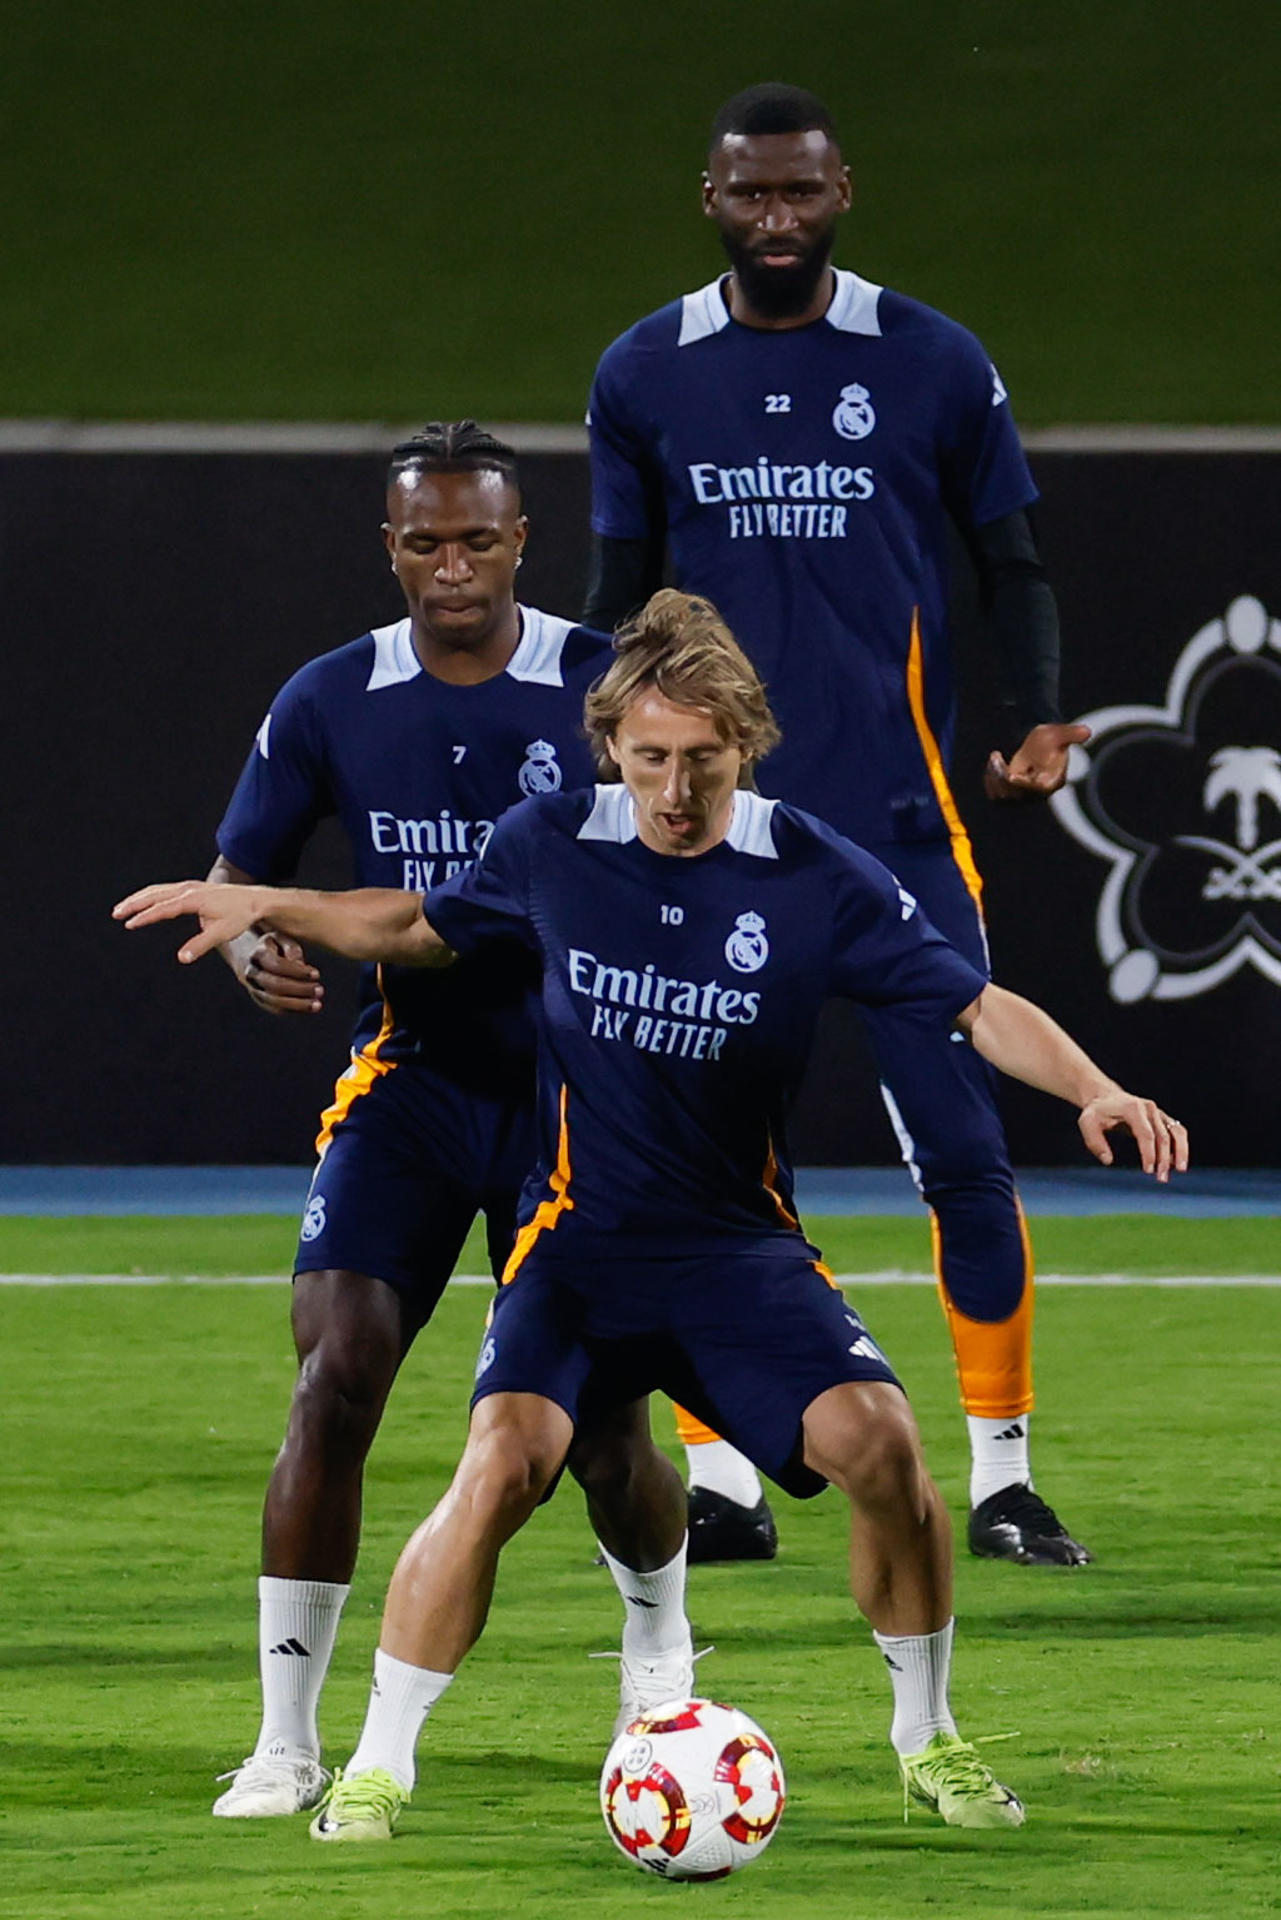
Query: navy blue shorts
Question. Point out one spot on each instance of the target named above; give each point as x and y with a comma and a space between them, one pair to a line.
403, 1172
746, 1341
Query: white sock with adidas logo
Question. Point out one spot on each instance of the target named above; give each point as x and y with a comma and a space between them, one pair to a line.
399, 1701
919, 1667
654, 1603
998, 1454
297, 1627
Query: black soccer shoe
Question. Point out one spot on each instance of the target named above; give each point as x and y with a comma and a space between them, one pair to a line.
1016, 1524
720, 1529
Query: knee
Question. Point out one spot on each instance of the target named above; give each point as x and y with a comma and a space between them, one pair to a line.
969, 1175
341, 1390
883, 1465
607, 1466
505, 1472
983, 1256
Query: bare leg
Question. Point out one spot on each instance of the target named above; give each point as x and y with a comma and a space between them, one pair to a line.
350, 1338
863, 1438
440, 1592
635, 1497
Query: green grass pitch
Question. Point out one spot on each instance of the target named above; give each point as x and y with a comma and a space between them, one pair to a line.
1138, 1695
309, 211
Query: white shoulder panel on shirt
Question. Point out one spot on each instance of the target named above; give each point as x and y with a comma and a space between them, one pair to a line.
612, 816
394, 657
538, 651
751, 827
702, 314
854, 304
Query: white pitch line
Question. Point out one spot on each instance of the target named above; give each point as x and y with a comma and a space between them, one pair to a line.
887, 1277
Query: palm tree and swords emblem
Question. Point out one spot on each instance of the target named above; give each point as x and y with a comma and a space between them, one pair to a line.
1245, 775
1156, 793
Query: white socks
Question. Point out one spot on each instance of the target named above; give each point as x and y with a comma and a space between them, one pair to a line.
919, 1664
720, 1468
297, 1626
654, 1606
401, 1698
998, 1454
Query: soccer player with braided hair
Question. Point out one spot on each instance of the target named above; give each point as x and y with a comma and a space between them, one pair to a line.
418, 735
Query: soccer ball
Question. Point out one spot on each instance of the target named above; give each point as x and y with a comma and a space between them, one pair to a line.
692, 1790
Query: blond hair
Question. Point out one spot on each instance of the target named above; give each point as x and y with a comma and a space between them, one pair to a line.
679, 644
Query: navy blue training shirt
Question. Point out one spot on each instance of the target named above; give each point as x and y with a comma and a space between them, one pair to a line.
805, 478
678, 1004
418, 770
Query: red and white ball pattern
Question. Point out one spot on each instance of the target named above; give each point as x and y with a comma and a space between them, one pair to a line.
692, 1790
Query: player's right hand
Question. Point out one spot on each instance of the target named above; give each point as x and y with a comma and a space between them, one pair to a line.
278, 978
1038, 768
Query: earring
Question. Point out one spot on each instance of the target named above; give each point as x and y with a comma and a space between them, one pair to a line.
520, 560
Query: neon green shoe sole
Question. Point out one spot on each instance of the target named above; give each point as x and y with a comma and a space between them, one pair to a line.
362, 1806
949, 1777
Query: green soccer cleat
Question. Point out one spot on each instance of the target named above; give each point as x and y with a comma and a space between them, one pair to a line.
950, 1777
361, 1806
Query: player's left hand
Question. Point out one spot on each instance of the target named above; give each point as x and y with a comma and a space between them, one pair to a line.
224, 912
1036, 769
1161, 1140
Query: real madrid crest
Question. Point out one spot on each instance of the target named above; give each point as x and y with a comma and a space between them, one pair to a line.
313, 1221
854, 415
747, 949
540, 771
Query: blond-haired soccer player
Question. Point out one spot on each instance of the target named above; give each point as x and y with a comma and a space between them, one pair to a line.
688, 932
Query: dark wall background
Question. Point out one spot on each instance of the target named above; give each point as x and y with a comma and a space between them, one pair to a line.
162, 601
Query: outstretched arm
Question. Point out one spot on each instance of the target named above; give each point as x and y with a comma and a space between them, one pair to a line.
1021, 1040
373, 923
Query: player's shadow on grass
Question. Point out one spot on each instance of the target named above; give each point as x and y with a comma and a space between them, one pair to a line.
1253, 1614
193, 1663
525, 1769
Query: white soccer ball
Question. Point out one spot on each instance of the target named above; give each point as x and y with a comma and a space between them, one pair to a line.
692, 1790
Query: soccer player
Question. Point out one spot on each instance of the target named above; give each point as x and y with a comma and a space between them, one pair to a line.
689, 931
799, 439
418, 736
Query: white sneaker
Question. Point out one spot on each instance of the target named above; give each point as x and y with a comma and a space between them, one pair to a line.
268, 1784
646, 1684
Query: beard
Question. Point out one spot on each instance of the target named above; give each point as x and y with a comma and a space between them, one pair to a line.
779, 293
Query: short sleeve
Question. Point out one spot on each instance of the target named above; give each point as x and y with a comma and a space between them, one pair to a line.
984, 469
625, 489
885, 953
282, 793
490, 899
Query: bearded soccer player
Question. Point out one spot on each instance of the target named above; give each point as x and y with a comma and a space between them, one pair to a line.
688, 932
798, 438
418, 736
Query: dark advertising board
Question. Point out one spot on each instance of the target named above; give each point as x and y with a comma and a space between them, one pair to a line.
156, 601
